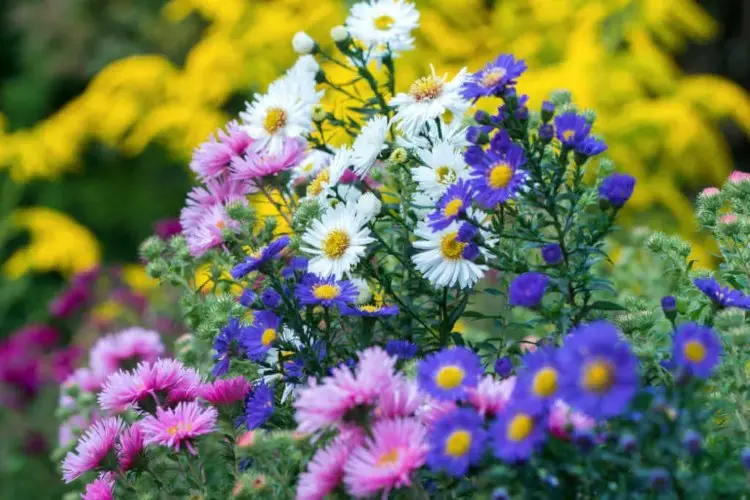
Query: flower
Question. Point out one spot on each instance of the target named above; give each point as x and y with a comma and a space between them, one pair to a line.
123, 390
369, 206
310, 166
452, 205
387, 459
303, 43
130, 446
722, 296
226, 345
552, 254
402, 349
449, 373
616, 189
456, 441
378, 24
518, 431
270, 298
696, 348
709, 192
325, 470
368, 145
327, 292
225, 391
591, 146
329, 176
212, 158
428, 98
125, 349
205, 231
102, 488
490, 396
444, 259
262, 162
599, 372
93, 448
402, 399
259, 406
503, 366
497, 175
259, 257
179, 426
443, 166
571, 129
562, 418
538, 380
338, 241
370, 310
527, 289
737, 176
668, 303
729, 219
261, 335
494, 78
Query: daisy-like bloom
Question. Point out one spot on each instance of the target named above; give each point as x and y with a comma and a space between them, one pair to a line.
368, 145
444, 260
722, 296
125, 350
495, 77
386, 461
709, 192
374, 310
456, 442
102, 488
616, 189
452, 205
449, 374
259, 257
403, 399
491, 396
329, 176
737, 176
571, 129
518, 431
205, 232
444, 165
338, 241
729, 219
697, 349
325, 471
186, 388
227, 345
380, 23
591, 146
130, 446
562, 419
123, 390
260, 337
93, 448
259, 406
527, 289
598, 371
212, 158
225, 391
539, 377
261, 162
429, 98
310, 166
402, 349
497, 176
179, 426
327, 292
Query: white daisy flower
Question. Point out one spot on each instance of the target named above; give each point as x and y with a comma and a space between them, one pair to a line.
337, 242
321, 186
428, 98
269, 375
443, 260
443, 166
368, 206
368, 145
308, 168
364, 291
453, 133
378, 23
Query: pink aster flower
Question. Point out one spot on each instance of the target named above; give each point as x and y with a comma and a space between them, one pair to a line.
130, 446
326, 468
261, 163
212, 158
93, 447
729, 219
403, 400
132, 345
179, 426
86, 379
102, 488
225, 391
490, 396
562, 418
386, 461
433, 409
205, 232
709, 191
737, 177
124, 390
186, 389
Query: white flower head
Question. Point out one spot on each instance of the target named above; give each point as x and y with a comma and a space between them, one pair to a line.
368, 206
380, 23
428, 98
443, 260
303, 43
453, 133
337, 241
314, 162
339, 33
365, 292
443, 166
368, 145
322, 185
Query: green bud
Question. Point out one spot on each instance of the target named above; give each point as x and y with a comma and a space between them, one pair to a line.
72, 390
318, 113
560, 97
157, 268
152, 248
307, 211
589, 115
682, 305
86, 398
729, 318
63, 413
71, 495
242, 213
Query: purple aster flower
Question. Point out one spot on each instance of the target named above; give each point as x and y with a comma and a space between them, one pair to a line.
247, 298
452, 205
527, 290
297, 264
494, 78
546, 132
518, 431
668, 304
552, 254
539, 378
599, 372
314, 290
226, 346
270, 298
259, 337
456, 441
696, 348
721, 295
370, 310
447, 374
259, 257
548, 111
692, 441
69, 301
591, 147
659, 479
497, 177
617, 189
466, 232
212, 158
402, 349
571, 129
503, 366
258, 406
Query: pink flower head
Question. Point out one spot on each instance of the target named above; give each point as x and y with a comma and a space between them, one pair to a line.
562, 418
261, 163
326, 468
205, 231
186, 389
86, 379
180, 425
102, 488
68, 302
161, 379
709, 191
386, 461
490, 396
729, 219
225, 391
62, 363
93, 447
130, 446
247, 439
35, 337
737, 177
167, 227
403, 400
212, 158
433, 409
130, 346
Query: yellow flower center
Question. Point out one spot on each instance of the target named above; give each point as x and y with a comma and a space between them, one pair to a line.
449, 377
520, 427
445, 175
545, 382
458, 443
257, 253
336, 244
275, 119
500, 175
388, 458
597, 376
568, 134
383, 22
316, 186
453, 207
326, 291
308, 167
426, 88
694, 351
370, 308
182, 426
269, 335
491, 78
450, 247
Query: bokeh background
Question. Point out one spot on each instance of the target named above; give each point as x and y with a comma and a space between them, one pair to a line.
101, 104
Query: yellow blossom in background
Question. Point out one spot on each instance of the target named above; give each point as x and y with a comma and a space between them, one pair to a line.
134, 275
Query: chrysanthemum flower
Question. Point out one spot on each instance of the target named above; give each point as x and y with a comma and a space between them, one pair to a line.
259, 257
571, 129
722, 296
402, 400
493, 79
179, 426
490, 396
325, 470
125, 350
205, 232
444, 165
102, 488
599, 372
452, 205
225, 391
212, 158
93, 448
591, 146
518, 431
562, 419
538, 380
449, 373
310, 166
456, 442
261, 336
259, 406
444, 259
497, 176
696, 348
368, 145
387, 460
259, 163
380, 23
616, 189
227, 345
327, 292
130, 446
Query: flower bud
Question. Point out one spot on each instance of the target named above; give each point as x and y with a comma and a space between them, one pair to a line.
503, 366
368, 206
303, 43
548, 111
339, 34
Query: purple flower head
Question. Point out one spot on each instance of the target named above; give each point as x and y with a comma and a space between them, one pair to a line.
68, 302
539, 378
451, 206
255, 260
668, 303
466, 232
546, 132
571, 129
591, 147
259, 406
692, 441
261, 336
212, 158
617, 189
527, 290
494, 78
402, 349
270, 298
456, 441
548, 110
697, 349
598, 371
166, 228
247, 298
327, 292
518, 431
297, 264
226, 346
552, 254
503, 366
370, 310
722, 296
501, 142
448, 374
497, 177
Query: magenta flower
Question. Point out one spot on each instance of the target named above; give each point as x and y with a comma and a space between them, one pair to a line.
125, 349
490, 396
130, 447
256, 164
93, 448
179, 426
212, 158
225, 391
101, 488
326, 468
